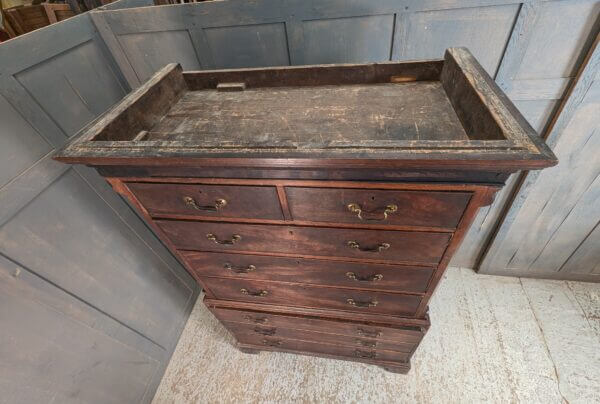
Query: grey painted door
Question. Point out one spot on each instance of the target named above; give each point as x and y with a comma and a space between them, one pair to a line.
91, 303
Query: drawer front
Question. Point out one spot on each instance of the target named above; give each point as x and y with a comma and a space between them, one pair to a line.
393, 246
408, 334
209, 200
385, 207
317, 272
327, 349
299, 295
346, 340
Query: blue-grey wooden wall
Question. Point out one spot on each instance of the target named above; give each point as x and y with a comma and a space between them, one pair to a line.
533, 49
91, 303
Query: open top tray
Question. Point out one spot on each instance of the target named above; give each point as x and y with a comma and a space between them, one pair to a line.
399, 114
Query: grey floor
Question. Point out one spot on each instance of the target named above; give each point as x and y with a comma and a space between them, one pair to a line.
492, 340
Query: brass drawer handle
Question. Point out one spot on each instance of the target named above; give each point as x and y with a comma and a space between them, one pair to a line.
256, 320
275, 342
219, 203
370, 278
258, 293
265, 331
378, 248
365, 355
355, 208
239, 270
235, 238
358, 303
366, 343
368, 333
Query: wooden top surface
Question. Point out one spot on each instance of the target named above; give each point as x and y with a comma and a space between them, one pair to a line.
312, 117
404, 115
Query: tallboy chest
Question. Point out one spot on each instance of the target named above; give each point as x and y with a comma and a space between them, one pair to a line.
317, 206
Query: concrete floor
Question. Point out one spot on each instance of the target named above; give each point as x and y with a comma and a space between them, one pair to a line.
492, 340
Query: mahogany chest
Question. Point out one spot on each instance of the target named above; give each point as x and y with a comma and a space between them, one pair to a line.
317, 206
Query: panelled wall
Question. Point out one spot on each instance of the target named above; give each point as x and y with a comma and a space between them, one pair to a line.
91, 304
532, 48
552, 230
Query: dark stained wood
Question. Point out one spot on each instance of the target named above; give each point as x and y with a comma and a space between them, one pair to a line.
412, 208
320, 347
207, 200
311, 117
388, 139
288, 333
407, 334
301, 295
372, 73
393, 367
426, 176
379, 320
390, 278
402, 247
279, 173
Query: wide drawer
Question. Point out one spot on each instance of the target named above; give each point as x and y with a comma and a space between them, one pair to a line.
408, 334
289, 333
300, 295
321, 348
394, 246
385, 207
208, 200
318, 272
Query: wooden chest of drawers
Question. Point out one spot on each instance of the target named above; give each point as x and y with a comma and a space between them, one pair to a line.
317, 206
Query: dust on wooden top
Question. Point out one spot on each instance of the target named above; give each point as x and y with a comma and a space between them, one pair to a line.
312, 117
441, 113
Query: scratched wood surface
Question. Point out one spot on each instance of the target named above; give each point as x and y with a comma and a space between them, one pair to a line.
313, 116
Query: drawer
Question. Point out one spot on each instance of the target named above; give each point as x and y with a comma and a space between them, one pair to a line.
300, 295
318, 347
394, 246
208, 200
406, 334
318, 272
385, 207
336, 339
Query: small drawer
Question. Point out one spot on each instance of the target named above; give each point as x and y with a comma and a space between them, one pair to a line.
317, 347
300, 295
409, 334
384, 207
390, 278
325, 337
393, 246
208, 200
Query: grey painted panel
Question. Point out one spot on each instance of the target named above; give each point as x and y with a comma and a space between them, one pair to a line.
484, 30
83, 247
586, 257
560, 34
537, 112
20, 144
148, 52
248, 45
66, 86
68, 360
348, 40
555, 213
122, 4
